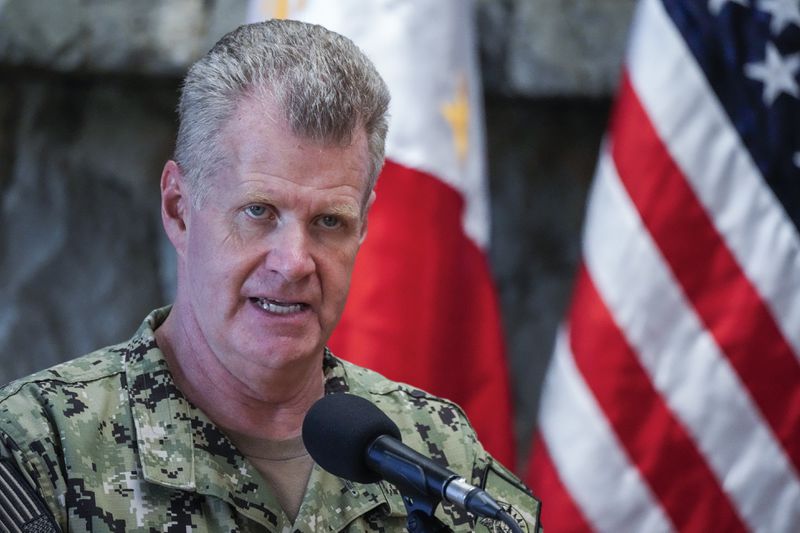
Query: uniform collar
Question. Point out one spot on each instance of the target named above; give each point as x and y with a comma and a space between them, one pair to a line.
180, 448
160, 411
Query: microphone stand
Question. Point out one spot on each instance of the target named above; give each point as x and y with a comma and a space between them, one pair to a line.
420, 508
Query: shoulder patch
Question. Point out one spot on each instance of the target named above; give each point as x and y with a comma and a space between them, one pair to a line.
21, 509
513, 496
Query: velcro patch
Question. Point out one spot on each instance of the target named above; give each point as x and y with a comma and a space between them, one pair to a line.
514, 497
21, 509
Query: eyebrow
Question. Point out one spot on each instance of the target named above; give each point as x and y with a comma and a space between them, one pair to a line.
256, 196
346, 210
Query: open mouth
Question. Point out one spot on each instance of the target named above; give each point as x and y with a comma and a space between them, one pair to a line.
278, 307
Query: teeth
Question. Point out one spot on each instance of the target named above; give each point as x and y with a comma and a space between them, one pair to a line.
278, 308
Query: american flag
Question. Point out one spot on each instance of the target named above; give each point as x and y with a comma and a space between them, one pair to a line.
673, 399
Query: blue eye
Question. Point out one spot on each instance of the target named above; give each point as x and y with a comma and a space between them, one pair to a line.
255, 211
330, 221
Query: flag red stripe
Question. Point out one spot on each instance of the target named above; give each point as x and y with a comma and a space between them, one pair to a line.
423, 309
683, 360
655, 440
733, 312
706, 145
560, 512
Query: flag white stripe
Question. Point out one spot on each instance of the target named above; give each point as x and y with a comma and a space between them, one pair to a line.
683, 360
423, 75
587, 455
709, 152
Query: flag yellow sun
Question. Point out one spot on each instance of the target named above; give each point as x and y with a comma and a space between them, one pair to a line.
456, 112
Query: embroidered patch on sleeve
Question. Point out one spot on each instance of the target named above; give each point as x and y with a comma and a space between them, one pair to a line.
514, 497
21, 509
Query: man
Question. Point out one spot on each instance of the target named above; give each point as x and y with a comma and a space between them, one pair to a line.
194, 424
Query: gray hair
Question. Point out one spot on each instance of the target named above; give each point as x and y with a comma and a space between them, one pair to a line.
326, 86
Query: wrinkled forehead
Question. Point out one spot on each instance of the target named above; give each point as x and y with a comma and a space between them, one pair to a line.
259, 124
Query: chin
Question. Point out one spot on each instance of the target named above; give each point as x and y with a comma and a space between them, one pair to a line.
278, 352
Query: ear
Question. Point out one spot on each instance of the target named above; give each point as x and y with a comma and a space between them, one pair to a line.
370, 201
174, 205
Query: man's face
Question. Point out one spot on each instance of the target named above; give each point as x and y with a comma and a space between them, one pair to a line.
267, 257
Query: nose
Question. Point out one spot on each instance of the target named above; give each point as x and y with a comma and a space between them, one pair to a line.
289, 253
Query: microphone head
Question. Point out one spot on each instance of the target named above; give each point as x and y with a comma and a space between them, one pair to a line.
337, 431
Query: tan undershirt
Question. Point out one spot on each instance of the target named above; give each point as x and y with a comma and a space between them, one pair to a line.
285, 464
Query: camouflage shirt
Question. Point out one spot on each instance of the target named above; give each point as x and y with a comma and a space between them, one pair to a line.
111, 444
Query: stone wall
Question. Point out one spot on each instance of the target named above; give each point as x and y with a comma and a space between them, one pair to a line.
542, 154
79, 215
87, 118
546, 48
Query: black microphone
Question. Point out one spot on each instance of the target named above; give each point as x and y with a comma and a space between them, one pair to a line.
352, 438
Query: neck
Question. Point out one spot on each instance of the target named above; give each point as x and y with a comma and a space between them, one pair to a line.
266, 403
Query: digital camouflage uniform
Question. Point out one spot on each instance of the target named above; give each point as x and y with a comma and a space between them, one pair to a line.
111, 444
